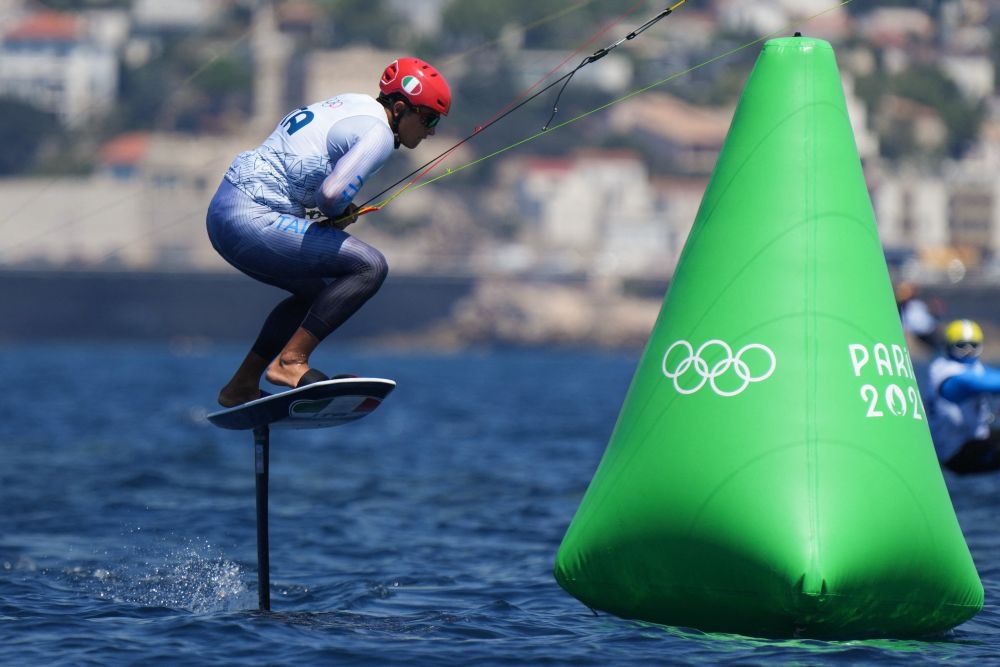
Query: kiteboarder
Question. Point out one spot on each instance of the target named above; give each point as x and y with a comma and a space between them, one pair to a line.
919, 319
317, 158
958, 407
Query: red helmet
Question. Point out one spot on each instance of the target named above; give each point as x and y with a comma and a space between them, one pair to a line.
418, 82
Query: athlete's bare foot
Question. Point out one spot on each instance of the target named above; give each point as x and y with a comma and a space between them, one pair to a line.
286, 373
293, 362
233, 394
244, 386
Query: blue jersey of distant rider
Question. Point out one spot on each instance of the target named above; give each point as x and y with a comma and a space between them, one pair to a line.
960, 412
319, 156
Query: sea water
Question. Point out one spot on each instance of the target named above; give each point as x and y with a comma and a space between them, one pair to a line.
423, 534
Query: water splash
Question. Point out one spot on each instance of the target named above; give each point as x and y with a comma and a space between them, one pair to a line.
190, 577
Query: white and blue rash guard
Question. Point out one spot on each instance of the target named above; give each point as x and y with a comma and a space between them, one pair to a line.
319, 156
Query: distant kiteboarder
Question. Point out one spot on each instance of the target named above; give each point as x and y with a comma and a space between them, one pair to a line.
919, 319
958, 409
318, 157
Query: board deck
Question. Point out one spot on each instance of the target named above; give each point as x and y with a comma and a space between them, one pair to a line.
317, 405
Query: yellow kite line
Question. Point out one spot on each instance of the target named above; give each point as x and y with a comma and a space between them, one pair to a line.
450, 171
422, 171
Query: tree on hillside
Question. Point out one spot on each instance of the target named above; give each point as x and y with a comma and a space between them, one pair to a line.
995, 53
928, 85
371, 22
79, 5
186, 87
471, 22
858, 8
23, 134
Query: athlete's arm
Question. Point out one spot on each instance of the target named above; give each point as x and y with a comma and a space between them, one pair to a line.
358, 146
962, 386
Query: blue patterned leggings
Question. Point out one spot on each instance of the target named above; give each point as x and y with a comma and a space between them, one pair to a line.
329, 273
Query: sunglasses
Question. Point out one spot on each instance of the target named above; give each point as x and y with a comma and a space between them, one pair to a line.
966, 347
428, 118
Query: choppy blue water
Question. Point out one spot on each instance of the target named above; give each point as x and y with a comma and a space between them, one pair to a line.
423, 534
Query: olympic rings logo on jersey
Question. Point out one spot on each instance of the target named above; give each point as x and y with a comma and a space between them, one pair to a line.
696, 364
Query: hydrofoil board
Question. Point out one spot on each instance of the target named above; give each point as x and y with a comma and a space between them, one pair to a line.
316, 405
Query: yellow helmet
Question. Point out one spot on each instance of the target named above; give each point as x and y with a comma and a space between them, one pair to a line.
964, 338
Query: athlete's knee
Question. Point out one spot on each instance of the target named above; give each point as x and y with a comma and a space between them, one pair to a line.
375, 269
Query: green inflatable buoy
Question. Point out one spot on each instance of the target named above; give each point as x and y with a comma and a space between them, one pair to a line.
771, 472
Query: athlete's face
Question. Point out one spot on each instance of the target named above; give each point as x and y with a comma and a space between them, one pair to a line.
415, 125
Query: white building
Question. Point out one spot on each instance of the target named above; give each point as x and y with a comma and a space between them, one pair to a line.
144, 209
352, 70
612, 76
158, 15
598, 213
50, 59
912, 211
973, 75
827, 20
423, 17
944, 218
688, 136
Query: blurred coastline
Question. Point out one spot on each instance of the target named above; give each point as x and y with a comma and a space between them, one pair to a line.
444, 312
119, 117
417, 310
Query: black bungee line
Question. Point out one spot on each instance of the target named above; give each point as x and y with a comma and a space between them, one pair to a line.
600, 53
594, 57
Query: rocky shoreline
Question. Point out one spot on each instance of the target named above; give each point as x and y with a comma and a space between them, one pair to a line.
510, 312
